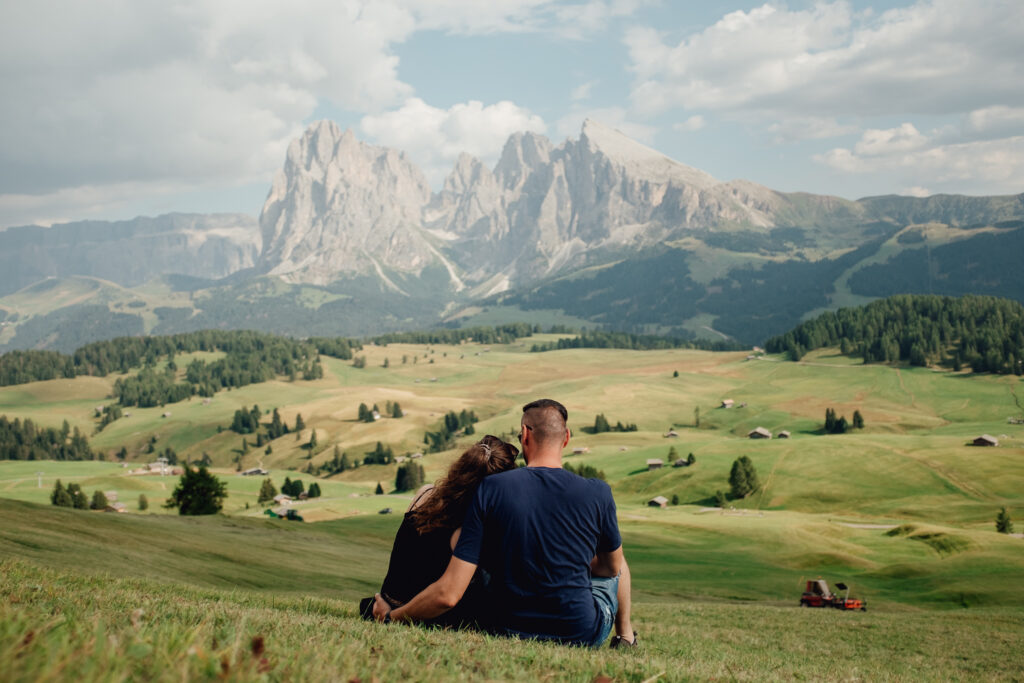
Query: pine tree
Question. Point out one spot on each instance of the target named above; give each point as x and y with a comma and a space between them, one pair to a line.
675, 499
690, 459
198, 493
299, 423
738, 485
672, 455
286, 487
60, 496
99, 501
380, 489
743, 477
1004, 524
267, 491
364, 413
830, 420
858, 420
841, 426
79, 500
143, 502
720, 500
312, 440
396, 410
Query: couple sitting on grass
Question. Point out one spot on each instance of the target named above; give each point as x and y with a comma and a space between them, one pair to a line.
531, 552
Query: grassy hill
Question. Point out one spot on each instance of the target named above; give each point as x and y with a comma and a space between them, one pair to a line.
161, 598
902, 511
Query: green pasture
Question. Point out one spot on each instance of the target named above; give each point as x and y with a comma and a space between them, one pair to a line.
57, 625
911, 462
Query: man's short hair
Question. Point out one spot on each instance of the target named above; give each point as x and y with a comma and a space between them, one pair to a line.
547, 419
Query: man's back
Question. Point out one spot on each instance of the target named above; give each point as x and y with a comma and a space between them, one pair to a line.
535, 530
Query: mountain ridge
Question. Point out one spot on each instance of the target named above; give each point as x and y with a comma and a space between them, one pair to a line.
357, 242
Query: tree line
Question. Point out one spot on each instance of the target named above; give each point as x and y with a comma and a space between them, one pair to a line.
499, 334
602, 425
593, 339
452, 424
248, 353
24, 440
983, 333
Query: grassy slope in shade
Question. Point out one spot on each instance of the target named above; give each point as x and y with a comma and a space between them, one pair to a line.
61, 626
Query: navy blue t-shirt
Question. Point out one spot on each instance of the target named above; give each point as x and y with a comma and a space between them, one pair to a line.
535, 529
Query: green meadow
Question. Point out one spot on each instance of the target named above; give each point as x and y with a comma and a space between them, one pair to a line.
903, 511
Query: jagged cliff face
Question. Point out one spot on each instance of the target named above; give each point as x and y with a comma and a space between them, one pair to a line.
543, 208
343, 207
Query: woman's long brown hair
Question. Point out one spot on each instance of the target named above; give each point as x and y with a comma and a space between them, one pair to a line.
448, 501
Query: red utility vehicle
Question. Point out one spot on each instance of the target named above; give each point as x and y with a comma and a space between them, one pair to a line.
817, 594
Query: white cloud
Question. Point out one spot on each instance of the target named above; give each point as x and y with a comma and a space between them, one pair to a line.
114, 91
582, 92
995, 121
809, 128
988, 166
435, 137
694, 123
905, 138
935, 57
916, 192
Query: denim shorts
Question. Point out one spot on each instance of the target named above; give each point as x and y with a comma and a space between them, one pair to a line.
606, 599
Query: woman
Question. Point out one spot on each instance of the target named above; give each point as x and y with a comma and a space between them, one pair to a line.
424, 543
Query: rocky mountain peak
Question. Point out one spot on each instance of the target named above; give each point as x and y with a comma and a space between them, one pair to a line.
340, 206
638, 159
522, 155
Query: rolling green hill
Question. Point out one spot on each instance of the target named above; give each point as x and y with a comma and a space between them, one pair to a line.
902, 511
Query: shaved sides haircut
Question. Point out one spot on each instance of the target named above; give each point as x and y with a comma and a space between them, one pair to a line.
546, 418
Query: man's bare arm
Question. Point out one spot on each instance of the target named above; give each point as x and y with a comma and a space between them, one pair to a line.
435, 599
608, 564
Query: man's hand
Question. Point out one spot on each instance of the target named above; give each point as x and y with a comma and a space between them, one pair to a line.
381, 608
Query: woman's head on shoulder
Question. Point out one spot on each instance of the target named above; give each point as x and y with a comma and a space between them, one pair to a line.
447, 502
489, 455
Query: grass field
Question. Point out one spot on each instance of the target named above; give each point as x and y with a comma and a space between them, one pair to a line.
715, 589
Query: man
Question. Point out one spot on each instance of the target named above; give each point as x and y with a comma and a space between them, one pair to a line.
550, 542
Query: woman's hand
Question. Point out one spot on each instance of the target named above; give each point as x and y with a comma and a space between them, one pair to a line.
381, 608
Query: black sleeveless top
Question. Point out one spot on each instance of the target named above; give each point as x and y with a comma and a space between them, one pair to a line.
417, 560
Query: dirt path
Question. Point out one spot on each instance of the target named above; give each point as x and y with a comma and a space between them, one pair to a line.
899, 376
768, 481
953, 479
868, 526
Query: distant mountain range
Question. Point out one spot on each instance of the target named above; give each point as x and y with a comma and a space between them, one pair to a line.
600, 230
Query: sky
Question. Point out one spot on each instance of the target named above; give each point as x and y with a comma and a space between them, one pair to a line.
118, 108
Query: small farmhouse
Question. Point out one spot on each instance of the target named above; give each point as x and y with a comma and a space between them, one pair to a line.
672, 434
255, 471
580, 450
282, 499
782, 435
986, 440
760, 433
727, 403
655, 464
681, 462
658, 502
